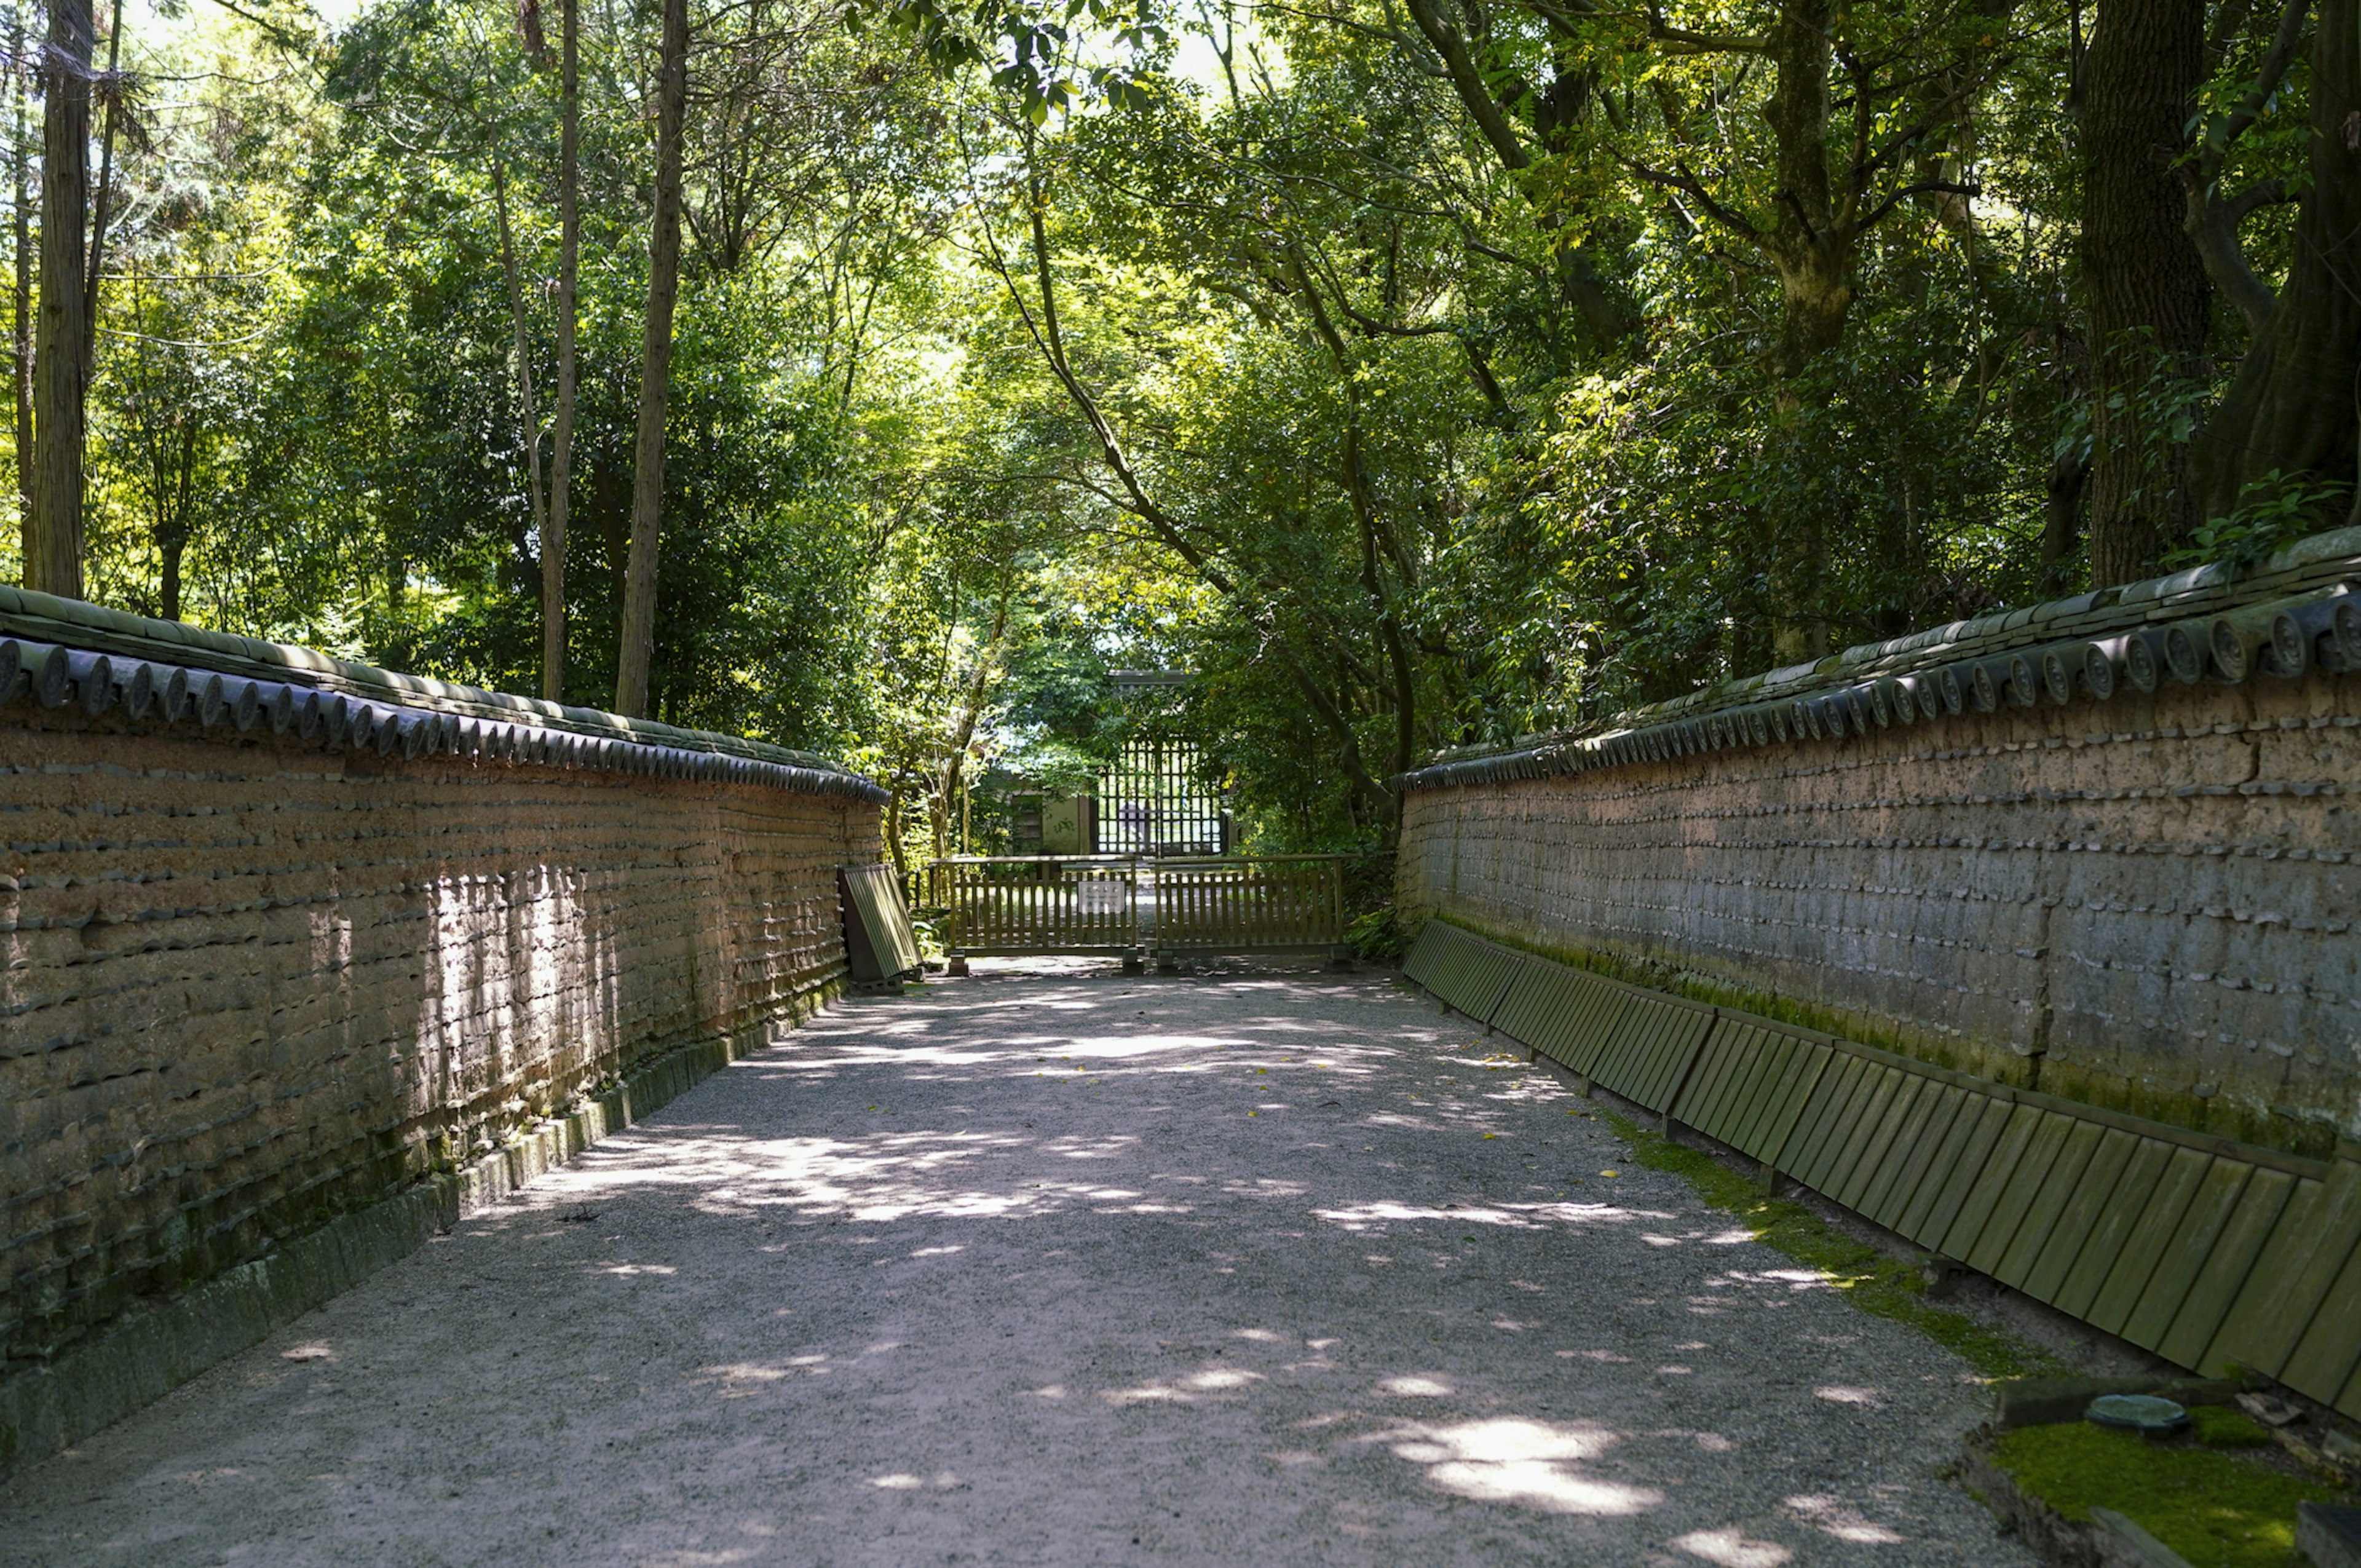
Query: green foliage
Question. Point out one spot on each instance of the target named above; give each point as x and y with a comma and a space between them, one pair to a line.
1406, 401
2274, 513
1376, 937
2217, 1509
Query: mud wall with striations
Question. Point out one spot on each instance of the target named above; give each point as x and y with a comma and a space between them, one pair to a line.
2138, 898
276, 965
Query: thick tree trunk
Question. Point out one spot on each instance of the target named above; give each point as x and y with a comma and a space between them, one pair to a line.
2149, 299
2291, 408
1813, 248
655, 370
561, 455
1812, 245
21, 317
61, 374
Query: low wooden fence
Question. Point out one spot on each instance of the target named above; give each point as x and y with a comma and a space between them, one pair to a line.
1121, 903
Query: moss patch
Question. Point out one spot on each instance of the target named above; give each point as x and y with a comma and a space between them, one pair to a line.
2218, 1425
2217, 1509
1872, 1280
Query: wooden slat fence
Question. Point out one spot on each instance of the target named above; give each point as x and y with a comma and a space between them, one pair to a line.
1098, 903
1225, 905
1044, 903
2210, 1254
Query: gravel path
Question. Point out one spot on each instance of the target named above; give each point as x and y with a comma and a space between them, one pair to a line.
1066, 1270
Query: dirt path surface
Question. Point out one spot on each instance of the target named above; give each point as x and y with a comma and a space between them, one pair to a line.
1066, 1270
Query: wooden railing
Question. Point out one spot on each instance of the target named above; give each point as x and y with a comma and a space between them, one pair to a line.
1232, 903
1115, 904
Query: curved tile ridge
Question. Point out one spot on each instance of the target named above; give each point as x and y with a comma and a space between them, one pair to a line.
56, 652
2298, 614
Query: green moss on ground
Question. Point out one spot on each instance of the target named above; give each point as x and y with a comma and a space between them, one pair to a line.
1872, 1280
2218, 1425
2217, 1509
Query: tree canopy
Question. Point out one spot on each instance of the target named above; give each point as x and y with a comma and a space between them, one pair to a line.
1413, 372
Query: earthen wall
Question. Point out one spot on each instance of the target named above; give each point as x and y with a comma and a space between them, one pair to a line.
251, 985
2147, 904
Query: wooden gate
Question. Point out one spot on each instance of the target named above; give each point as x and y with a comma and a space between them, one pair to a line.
1038, 904
1120, 904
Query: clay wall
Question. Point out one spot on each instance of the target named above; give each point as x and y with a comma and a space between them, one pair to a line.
2146, 904
254, 982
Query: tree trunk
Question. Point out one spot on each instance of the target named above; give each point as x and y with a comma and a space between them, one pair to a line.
561, 455
1811, 247
2061, 519
174, 545
105, 200
2149, 299
21, 318
173, 518
528, 416
2290, 410
60, 373
655, 370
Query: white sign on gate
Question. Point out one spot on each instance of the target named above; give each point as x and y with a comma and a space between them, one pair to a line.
1103, 895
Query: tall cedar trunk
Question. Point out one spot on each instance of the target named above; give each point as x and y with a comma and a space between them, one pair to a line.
20, 166
655, 370
1812, 250
2149, 295
105, 198
61, 375
2291, 408
561, 455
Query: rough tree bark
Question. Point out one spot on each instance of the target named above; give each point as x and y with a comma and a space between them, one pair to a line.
2149, 299
655, 370
1813, 245
561, 454
60, 375
2291, 408
1812, 248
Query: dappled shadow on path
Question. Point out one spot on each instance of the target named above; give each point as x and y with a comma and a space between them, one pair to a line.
1078, 1271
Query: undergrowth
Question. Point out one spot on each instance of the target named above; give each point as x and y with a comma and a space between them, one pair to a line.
1875, 1281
